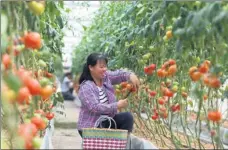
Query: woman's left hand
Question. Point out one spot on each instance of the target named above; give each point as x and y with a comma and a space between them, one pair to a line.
134, 80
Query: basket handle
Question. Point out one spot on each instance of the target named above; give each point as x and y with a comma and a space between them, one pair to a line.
103, 118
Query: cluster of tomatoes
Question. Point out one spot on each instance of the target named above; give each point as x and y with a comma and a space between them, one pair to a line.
169, 68
29, 90
202, 72
210, 80
124, 87
148, 70
29, 86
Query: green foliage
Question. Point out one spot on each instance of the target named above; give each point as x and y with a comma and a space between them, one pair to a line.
49, 24
198, 30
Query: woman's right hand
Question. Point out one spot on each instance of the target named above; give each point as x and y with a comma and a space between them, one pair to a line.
122, 103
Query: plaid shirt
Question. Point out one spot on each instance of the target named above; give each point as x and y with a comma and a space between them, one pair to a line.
91, 108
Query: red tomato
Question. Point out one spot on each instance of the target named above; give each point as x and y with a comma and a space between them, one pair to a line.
39, 122
152, 67
214, 116
50, 115
23, 95
32, 40
168, 93
172, 62
203, 68
123, 84
195, 76
214, 82
172, 70
161, 73
154, 117
48, 75
34, 86
153, 93
161, 101
148, 71
6, 61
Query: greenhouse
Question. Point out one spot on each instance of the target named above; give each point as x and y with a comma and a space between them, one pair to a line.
114, 74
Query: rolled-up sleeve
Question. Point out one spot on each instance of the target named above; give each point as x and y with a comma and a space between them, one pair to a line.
89, 99
118, 76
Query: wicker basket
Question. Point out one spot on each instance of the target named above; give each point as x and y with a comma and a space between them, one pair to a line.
104, 138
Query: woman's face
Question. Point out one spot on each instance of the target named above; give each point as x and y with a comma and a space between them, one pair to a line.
98, 71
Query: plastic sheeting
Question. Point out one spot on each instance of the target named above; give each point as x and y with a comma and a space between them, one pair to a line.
135, 142
47, 142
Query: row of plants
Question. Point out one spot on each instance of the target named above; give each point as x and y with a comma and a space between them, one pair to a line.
179, 51
31, 43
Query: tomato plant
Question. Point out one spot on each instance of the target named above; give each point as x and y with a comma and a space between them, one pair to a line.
30, 64
187, 43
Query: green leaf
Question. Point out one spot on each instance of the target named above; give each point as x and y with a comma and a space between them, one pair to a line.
139, 5
216, 69
179, 32
60, 22
140, 11
196, 92
84, 27
57, 98
12, 81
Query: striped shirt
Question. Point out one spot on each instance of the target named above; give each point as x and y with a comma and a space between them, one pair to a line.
102, 96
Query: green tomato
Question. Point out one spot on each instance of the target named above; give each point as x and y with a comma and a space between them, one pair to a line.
141, 61
165, 38
175, 88
127, 44
197, 59
42, 63
146, 56
153, 49
169, 28
44, 81
37, 142
175, 83
140, 47
118, 86
183, 89
197, 3
27, 120
168, 80
174, 19
37, 53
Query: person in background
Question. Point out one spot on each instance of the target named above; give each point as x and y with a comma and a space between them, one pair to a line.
67, 87
97, 96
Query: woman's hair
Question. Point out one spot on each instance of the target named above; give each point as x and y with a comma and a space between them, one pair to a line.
91, 60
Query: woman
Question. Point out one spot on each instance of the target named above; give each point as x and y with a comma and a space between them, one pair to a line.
97, 94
